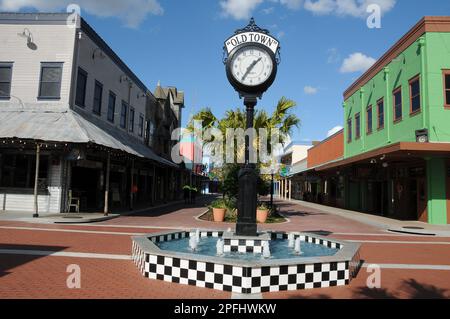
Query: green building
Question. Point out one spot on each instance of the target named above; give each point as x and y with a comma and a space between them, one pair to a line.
396, 157
404, 100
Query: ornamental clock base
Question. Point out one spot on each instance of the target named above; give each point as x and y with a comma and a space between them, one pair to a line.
246, 222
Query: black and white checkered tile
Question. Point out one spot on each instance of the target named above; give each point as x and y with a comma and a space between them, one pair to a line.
244, 279
243, 246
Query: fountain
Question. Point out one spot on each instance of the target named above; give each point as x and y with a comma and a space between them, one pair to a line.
246, 265
193, 243
297, 246
219, 247
266, 250
291, 240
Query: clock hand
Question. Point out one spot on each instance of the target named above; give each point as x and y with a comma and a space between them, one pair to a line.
251, 66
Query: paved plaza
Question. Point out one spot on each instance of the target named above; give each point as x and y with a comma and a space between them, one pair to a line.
34, 256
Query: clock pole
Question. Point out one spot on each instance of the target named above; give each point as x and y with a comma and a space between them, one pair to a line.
247, 198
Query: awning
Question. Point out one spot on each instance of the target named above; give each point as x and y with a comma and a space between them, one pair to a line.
401, 150
66, 126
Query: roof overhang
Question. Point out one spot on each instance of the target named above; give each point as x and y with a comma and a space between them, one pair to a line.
405, 150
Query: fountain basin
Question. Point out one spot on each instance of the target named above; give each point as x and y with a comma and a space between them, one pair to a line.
337, 267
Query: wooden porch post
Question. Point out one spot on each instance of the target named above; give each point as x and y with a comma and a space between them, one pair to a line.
36, 182
108, 169
132, 184
290, 189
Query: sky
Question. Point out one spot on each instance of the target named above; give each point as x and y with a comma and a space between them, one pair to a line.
325, 46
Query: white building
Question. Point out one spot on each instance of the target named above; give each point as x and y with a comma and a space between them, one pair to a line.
64, 91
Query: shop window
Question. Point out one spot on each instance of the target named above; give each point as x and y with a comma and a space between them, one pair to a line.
380, 107
398, 105
98, 93
123, 115
447, 88
357, 126
414, 91
141, 125
17, 171
131, 119
5, 80
349, 130
369, 120
50, 82
111, 106
80, 98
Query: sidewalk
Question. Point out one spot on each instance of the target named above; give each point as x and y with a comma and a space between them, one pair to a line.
393, 225
79, 218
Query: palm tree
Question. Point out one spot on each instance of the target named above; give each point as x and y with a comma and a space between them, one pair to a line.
280, 119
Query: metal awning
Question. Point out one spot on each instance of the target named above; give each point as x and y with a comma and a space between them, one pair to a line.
67, 126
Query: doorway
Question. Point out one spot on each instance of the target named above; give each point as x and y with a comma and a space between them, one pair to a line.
422, 213
86, 185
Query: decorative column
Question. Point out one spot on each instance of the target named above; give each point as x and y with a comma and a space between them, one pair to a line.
108, 169
290, 190
36, 182
387, 102
246, 221
132, 185
363, 119
424, 83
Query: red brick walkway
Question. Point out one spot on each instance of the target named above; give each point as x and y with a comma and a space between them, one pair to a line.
24, 276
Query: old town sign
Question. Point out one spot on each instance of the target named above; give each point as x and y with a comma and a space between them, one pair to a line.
251, 60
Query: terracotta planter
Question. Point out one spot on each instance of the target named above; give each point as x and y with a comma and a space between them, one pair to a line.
261, 216
219, 214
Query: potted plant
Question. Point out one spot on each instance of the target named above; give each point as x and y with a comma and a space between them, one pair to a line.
219, 209
262, 213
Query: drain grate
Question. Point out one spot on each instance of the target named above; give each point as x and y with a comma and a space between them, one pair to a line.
73, 217
413, 227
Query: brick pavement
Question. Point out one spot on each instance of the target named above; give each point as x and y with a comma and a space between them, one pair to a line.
24, 276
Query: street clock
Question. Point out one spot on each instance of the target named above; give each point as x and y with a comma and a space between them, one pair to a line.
251, 60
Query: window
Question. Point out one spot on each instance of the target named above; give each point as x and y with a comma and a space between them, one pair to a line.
123, 115
98, 92
414, 91
17, 171
50, 82
358, 126
80, 98
349, 130
369, 120
447, 88
380, 107
397, 100
5, 80
111, 106
141, 125
131, 127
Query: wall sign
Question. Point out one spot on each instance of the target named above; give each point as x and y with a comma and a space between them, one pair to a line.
252, 37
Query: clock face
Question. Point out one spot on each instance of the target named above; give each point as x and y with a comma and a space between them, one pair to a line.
251, 65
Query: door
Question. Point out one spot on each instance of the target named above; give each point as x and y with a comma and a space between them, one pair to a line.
448, 195
422, 213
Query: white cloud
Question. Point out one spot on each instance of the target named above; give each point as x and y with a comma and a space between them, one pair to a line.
333, 56
354, 8
334, 130
357, 62
243, 9
268, 10
239, 9
131, 12
292, 4
309, 90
